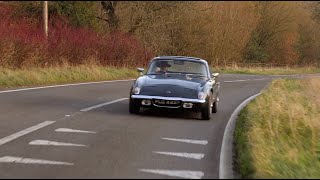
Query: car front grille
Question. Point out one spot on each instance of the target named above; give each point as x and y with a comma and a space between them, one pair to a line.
169, 91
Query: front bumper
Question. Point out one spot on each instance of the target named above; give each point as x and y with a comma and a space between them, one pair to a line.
168, 98
197, 103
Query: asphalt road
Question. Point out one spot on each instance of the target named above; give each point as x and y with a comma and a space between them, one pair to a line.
112, 143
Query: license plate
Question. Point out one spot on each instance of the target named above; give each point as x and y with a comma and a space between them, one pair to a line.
166, 102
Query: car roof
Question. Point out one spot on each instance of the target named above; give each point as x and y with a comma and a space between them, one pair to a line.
180, 58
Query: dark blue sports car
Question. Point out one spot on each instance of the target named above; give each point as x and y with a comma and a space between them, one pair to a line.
176, 82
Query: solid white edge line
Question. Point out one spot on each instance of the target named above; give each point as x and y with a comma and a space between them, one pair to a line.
102, 104
176, 173
298, 76
63, 85
24, 132
12, 159
97, 82
226, 152
241, 80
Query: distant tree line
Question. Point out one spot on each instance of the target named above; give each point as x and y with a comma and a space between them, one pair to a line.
275, 32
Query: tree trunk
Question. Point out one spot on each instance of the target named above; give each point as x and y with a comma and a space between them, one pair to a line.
109, 8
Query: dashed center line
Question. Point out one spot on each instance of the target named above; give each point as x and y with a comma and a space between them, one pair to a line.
24, 132
103, 104
21, 160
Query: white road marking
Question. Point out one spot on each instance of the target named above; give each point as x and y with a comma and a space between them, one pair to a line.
176, 173
68, 115
11, 159
261, 79
24, 132
241, 80
182, 154
103, 104
73, 130
226, 161
236, 81
63, 85
202, 142
52, 143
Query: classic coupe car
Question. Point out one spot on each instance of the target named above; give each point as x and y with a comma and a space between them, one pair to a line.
176, 82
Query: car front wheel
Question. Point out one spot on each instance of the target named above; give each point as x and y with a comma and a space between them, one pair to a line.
207, 109
134, 108
215, 106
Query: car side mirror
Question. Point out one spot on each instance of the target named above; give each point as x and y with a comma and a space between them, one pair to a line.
215, 75
140, 70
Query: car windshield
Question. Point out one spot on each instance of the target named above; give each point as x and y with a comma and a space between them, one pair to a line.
177, 66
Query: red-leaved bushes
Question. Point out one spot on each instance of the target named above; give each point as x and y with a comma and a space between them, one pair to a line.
23, 44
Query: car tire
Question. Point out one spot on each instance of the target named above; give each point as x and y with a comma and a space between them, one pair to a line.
206, 110
215, 107
134, 108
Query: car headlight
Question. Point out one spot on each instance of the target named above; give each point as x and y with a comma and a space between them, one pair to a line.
201, 95
136, 90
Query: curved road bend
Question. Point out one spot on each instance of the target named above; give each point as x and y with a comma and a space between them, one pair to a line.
44, 133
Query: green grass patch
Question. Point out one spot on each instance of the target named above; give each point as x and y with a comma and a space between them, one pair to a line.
267, 70
277, 134
61, 75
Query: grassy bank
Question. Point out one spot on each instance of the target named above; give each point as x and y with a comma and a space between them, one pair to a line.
277, 134
267, 70
61, 75
29, 77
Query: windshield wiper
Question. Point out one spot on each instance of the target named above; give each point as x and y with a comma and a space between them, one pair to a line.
162, 73
197, 75
173, 73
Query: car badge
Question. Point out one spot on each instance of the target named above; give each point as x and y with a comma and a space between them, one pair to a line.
168, 92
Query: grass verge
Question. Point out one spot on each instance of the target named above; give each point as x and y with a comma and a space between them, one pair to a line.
277, 134
267, 70
61, 75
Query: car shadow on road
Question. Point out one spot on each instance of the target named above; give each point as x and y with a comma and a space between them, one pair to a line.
169, 113
122, 108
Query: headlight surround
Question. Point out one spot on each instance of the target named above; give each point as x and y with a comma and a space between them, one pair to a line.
201, 95
136, 90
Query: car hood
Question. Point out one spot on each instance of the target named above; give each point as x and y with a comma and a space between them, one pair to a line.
177, 80
171, 85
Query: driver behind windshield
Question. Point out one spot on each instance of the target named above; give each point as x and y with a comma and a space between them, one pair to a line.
162, 66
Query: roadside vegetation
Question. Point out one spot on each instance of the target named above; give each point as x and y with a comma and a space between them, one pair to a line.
124, 34
38, 76
61, 75
277, 134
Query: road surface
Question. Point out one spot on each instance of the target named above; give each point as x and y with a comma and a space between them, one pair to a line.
86, 131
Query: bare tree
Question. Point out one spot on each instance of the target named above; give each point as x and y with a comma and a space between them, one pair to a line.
109, 8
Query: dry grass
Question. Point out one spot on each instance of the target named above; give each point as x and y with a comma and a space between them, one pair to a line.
59, 75
277, 135
267, 70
